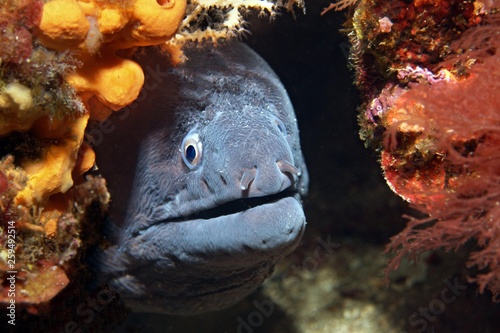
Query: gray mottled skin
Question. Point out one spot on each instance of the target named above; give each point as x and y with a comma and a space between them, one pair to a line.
196, 238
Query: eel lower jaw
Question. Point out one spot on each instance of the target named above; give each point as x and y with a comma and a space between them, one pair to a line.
242, 232
270, 229
223, 257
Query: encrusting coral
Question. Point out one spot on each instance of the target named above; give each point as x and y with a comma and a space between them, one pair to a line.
63, 64
429, 81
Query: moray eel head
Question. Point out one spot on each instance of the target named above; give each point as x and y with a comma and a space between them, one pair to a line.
215, 198
250, 158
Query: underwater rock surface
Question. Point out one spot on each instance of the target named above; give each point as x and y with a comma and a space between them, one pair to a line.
428, 106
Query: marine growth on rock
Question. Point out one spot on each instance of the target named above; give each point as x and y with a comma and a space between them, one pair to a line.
428, 71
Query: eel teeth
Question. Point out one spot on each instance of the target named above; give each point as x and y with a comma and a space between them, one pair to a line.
246, 179
286, 166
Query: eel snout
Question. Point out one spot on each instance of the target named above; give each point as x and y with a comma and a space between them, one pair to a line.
285, 172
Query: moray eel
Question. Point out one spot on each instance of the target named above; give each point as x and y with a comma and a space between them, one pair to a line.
206, 176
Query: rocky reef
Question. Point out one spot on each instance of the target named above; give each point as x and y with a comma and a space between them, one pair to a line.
427, 71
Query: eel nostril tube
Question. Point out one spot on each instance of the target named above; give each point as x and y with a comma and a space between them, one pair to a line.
286, 166
247, 177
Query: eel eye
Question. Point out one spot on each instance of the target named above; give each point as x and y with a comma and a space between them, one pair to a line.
191, 150
281, 126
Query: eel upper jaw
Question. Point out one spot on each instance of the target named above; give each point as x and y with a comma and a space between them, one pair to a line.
267, 219
246, 197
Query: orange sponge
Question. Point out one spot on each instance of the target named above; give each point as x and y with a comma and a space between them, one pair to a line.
97, 30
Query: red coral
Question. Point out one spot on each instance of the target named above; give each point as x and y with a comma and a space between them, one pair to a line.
443, 155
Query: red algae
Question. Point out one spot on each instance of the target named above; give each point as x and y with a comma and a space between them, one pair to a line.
428, 73
441, 153
17, 19
450, 168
